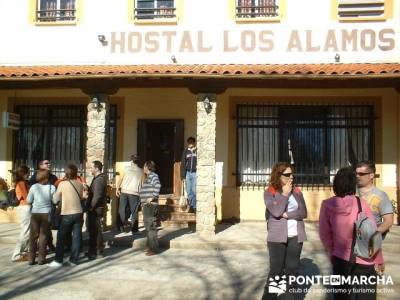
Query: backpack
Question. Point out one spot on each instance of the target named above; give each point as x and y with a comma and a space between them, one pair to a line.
12, 198
367, 241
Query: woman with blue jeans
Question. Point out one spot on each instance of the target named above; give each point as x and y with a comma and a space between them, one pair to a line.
285, 211
70, 193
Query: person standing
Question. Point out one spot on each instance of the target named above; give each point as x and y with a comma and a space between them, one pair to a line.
40, 196
188, 171
3, 194
54, 217
24, 212
378, 200
128, 191
95, 209
43, 165
336, 231
149, 194
285, 212
70, 193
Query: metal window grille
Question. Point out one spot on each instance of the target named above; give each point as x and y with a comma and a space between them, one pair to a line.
154, 9
56, 10
348, 9
256, 8
57, 133
321, 139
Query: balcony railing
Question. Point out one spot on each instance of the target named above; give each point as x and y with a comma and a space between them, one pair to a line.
155, 13
256, 9
55, 15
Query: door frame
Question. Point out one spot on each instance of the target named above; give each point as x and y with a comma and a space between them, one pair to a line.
178, 146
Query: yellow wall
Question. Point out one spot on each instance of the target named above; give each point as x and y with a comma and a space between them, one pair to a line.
179, 103
246, 203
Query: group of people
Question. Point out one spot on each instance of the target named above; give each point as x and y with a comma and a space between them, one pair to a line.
43, 197
46, 203
285, 214
129, 186
136, 187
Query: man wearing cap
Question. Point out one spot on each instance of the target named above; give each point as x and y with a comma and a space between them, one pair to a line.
128, 187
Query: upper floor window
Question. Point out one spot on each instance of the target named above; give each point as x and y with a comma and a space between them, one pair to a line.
55, 10
256, 8
154, 9
361, 9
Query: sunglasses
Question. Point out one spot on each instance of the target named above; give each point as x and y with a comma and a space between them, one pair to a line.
362, 173
287, 174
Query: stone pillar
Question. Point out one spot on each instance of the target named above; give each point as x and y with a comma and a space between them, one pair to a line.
206, 133
97, 132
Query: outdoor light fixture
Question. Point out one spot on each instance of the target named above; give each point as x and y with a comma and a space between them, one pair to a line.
173, 58
337, 57
207, 104
102, 39
96, 104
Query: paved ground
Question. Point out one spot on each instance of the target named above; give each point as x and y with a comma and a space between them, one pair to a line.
193, 268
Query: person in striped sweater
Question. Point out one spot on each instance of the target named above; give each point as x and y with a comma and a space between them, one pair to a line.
149, 193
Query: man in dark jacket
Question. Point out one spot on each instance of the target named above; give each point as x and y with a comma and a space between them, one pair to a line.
43, 165
188, 171
95, 208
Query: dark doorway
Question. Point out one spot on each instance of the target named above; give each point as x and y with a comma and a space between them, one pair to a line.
162, 142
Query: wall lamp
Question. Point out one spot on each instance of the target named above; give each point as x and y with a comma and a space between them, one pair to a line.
96, 103
102, 39
207, 104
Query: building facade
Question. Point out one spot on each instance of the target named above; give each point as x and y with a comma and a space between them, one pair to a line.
256, 81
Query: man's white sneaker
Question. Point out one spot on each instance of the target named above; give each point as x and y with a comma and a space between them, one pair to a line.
55, 264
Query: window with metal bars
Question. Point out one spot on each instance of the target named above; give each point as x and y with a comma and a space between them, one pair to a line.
58, 133
256, 8
154, 9
55, 10
318, 140
360, 9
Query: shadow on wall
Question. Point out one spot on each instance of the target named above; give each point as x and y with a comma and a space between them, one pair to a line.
230, 204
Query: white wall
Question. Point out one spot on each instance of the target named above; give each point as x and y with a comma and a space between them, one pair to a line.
23, 42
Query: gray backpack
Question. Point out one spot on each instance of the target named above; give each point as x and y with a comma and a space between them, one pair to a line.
366, 239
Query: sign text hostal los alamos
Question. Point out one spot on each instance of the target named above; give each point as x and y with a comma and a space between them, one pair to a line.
330, 40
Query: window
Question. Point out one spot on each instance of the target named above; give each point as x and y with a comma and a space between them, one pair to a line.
317, 139
361, 9
256, 8
55, 10
154, 9
59, 134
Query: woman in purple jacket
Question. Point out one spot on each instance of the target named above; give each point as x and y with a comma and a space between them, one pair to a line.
285, 211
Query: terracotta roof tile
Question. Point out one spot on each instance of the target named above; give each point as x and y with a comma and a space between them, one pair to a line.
321, 70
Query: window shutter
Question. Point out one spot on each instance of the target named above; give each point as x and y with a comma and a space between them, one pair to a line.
350, 9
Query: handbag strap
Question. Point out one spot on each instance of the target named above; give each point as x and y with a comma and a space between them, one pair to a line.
353, 243
79, 196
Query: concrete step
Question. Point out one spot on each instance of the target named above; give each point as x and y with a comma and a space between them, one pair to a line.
173, 216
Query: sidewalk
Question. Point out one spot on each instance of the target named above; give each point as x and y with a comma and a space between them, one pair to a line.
192, 268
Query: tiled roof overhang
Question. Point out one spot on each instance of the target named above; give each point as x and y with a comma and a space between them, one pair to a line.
259, 71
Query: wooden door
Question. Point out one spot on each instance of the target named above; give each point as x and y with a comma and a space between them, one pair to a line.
162, 142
